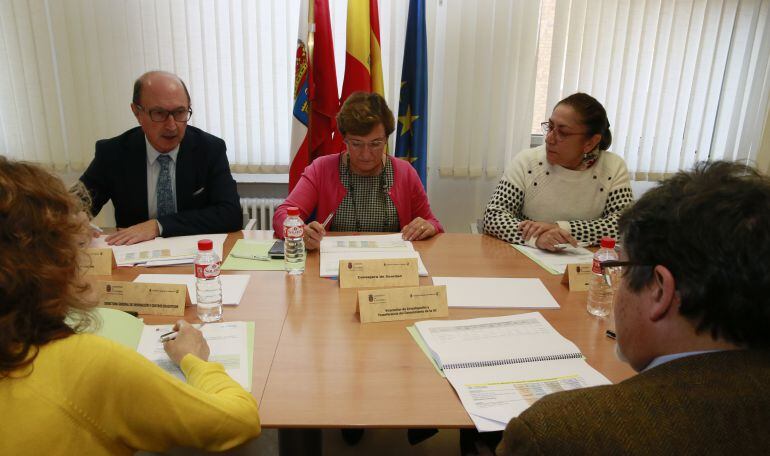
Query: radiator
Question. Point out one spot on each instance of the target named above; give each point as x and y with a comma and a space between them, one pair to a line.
261, 210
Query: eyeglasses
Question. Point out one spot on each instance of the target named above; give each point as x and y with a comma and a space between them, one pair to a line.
548, 127
160, 115
614, 269
375, 146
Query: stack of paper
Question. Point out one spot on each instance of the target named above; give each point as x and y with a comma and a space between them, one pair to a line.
231, 343
233, 286
160, 251
494, 292
556, 262
336, 248
500, 366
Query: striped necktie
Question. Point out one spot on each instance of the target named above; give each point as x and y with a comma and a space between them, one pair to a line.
163, 191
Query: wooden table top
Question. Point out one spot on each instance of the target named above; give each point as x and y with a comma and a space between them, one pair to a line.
316, 365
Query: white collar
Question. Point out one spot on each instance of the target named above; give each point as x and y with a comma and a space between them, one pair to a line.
153, 154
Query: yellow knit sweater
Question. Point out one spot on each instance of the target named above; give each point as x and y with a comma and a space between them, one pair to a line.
88, 395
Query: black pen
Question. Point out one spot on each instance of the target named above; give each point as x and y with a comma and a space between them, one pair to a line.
610, 333
172, 335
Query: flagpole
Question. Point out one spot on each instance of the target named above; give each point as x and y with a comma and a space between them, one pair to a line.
311, 79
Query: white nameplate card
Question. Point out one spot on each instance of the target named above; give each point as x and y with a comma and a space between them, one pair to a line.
577, 276
411, 303
382, 272
143, 298
99, 262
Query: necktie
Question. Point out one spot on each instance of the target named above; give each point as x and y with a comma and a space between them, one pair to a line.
163, 191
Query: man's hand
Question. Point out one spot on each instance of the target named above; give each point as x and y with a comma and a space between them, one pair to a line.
418, 229
188, 340
314, 232
531, 228
144, 231
549, 239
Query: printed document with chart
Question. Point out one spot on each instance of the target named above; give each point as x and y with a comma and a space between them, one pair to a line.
336, 248
499, 366
160, 251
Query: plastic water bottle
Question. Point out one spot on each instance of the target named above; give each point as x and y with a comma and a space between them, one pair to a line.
208, 287
599, 293
294, 242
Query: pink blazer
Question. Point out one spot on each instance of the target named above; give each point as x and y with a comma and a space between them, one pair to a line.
320, 189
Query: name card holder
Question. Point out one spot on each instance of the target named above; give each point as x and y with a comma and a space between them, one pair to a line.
143, 298
379, 273
577, 276
99, 262
410, 303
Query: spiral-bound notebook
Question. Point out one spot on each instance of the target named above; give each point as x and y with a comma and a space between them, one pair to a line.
499, 366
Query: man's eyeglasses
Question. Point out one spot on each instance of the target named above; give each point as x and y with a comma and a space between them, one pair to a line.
614, 269
375, 146
160, 115
558, 134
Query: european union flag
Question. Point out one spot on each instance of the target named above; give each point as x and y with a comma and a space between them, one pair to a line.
412, 131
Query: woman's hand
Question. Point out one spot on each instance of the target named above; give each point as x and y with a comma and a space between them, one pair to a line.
531, 228
549, 239
314, 232
418, 229
188, 340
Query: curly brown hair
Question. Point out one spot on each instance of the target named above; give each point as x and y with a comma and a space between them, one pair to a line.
363, 111
43, 230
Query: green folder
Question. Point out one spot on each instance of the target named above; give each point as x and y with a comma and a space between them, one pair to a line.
424, 347
246, 247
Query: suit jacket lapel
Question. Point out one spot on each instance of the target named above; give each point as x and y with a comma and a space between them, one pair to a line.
138, 173
185, 171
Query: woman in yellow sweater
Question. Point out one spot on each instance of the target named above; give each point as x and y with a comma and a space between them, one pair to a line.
63, 392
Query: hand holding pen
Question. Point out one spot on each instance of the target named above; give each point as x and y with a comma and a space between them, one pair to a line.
188, 339
315, 231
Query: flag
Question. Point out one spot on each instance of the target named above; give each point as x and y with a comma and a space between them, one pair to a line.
412, 130
363, 65
315, 91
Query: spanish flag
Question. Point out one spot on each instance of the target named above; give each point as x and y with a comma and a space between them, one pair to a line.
363, 65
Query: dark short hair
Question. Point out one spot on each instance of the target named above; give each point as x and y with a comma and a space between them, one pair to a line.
363, 111
711, 228
139, 83
592, 115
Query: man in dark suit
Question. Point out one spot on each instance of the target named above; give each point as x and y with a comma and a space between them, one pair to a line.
692, 316
164, 177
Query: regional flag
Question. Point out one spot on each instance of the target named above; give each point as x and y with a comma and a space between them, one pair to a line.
315, 90
363, 64
412, 130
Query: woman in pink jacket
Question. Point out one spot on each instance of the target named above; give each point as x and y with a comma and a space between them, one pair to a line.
363, 187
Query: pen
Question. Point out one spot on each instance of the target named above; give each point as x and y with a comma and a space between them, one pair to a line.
172, 335
579, 244
610, 333
96, 228
328, 219
251, 257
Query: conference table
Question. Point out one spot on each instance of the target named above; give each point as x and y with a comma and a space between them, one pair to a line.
316, 366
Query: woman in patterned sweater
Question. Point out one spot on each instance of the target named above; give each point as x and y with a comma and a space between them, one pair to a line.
362, 188
569, 190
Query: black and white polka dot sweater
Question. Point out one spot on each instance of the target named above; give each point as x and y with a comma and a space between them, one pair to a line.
585, 203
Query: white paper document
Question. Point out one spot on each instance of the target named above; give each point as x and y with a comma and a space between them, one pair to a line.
336, 248
494, 292
556, 262
233, 286
499, 366
160, 251
227, 341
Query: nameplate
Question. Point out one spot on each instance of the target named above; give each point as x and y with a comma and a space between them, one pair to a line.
411, 303
376, 273
99, 262
577, 276
143, 298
